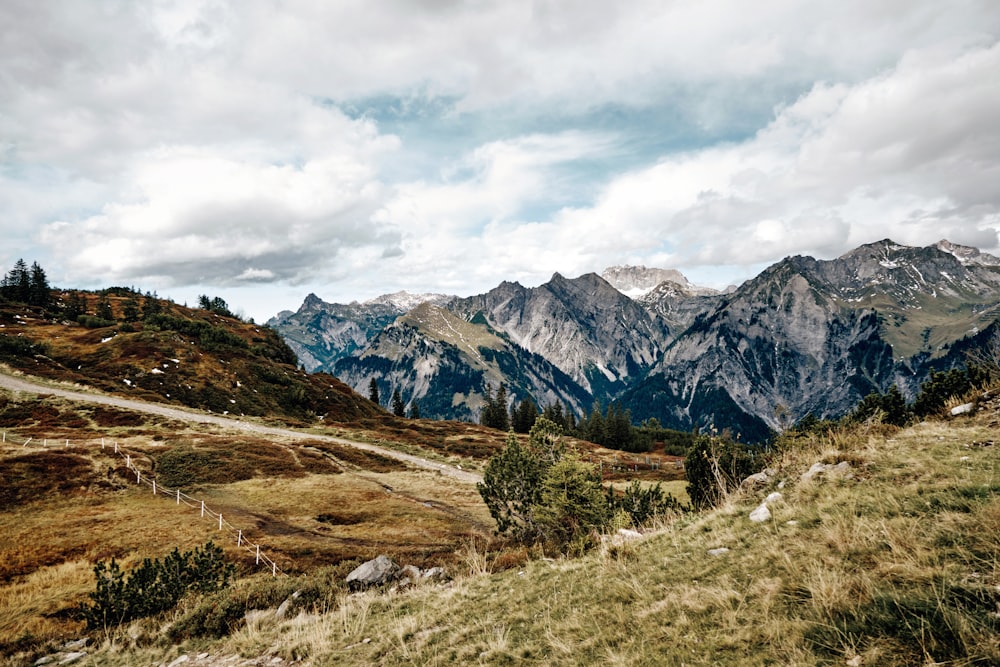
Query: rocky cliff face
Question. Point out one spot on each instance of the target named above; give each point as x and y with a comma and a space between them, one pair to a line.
805, 336
444, 363
809, 336
585, 327
322, 333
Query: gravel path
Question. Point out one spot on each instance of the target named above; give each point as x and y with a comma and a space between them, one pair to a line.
23, 384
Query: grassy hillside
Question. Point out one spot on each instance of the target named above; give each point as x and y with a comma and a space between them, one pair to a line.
178, 355
891, 559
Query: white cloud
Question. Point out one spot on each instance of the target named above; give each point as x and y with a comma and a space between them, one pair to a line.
912, 154
201, 143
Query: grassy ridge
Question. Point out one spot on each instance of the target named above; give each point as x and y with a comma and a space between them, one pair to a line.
894, 563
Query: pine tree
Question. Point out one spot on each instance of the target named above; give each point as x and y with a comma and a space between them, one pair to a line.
398, 407
17, 283
130, 310
39, 292
104, 309
414, 410
511, 487
76, 305
373, 391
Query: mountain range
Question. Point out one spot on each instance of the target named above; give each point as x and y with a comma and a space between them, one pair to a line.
803, 337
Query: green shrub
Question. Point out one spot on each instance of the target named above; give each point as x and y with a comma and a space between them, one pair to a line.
153, 587
944, 385
643, 503
572, 507
715, 466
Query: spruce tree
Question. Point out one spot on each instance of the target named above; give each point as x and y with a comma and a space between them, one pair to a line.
398, 407
373, 391
39, 292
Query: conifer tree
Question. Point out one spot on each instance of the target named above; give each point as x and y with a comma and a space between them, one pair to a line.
39, 292
398, 407
373, 391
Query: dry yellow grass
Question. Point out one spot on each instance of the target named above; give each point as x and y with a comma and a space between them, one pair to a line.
895, 564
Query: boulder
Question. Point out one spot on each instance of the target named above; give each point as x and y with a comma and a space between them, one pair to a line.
376, 572
962, 409
843, 469
759, 479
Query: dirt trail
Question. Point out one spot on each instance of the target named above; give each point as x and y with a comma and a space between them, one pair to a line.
24, 384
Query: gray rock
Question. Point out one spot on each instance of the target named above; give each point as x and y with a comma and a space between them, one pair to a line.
962, 409
409, 574
761, 514
718, 552
76, 645
758, 480
378, 571
72, 657
774, 498
283, 607
433, 573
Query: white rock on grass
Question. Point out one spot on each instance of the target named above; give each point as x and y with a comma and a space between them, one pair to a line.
761, 514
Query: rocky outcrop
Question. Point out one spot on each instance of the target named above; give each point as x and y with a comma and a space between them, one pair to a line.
381, 571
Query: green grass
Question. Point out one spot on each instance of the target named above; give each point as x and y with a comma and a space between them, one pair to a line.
895, 564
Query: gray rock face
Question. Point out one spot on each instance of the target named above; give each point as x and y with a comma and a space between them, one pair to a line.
804, 337
444, 363
376, 572
584, 326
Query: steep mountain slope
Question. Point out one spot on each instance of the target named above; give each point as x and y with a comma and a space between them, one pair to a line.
444, 364
805, 336
809, 336
588, 329
320, 333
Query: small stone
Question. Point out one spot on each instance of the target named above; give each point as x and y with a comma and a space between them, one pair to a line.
774, 498
76, 645
718, 552
761, 514
72, 657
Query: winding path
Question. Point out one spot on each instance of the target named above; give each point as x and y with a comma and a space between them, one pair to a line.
23, 384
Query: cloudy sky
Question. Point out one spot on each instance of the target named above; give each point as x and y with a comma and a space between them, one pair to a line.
260, 150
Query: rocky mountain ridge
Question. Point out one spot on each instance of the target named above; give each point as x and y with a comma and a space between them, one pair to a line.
804, 336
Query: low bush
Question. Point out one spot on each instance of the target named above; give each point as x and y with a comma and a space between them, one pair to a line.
153, 587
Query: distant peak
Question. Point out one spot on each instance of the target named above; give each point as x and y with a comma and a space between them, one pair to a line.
636, 281
967, 254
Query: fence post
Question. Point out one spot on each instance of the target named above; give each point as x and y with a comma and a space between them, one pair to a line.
203, 508
45, 442
154, 487
178, 496
67, 444
5, 437
274, 569
239, 538
102, 443
258, 555
137, 478
128, 461
116, 447
220, 520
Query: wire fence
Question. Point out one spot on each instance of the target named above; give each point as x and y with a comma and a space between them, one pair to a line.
148, 479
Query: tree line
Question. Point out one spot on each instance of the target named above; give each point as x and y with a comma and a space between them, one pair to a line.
609, 427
